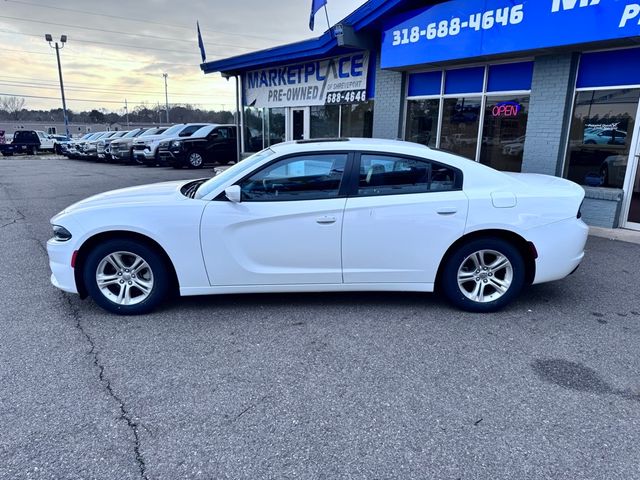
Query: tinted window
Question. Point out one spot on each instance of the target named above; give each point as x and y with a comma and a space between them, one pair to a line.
308, 177
188, 131
387, 175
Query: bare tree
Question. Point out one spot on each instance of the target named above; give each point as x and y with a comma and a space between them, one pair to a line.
13, 106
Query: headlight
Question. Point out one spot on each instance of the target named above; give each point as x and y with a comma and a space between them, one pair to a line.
61, 234
176, 143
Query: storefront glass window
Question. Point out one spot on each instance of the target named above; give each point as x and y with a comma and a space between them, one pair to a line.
325, 121
276, 126
253, 129
600, 136
422, 121
357, 120
460, 122
503, 133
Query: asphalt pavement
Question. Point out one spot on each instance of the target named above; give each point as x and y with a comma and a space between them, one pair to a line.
307, 386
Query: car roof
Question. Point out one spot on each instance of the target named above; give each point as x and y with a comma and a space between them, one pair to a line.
349, 144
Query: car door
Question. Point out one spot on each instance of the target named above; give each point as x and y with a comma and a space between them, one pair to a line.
222, 145
285, 230
401, 219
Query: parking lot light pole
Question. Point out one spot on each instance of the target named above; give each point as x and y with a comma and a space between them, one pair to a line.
63, 40
166, 95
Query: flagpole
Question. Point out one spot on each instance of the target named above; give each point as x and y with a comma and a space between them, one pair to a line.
326, 12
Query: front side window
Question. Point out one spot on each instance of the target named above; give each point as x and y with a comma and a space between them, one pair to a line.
388, 175
307, 177
600, 136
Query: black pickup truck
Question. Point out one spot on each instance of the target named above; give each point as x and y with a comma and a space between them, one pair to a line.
24, 141
210, 144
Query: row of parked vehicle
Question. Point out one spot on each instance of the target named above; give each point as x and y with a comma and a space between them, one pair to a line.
190, 145
30, 142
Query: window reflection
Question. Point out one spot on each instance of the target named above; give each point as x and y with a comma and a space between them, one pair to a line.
503, 133
460, 124
600, 137
325, 121
357, 120
422, 121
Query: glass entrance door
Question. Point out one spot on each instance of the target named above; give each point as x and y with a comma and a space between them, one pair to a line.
299, 123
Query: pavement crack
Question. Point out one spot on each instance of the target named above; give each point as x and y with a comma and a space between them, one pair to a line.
251, 406
124, 412
20, 218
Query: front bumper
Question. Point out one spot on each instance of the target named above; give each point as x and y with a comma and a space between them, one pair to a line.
62, 275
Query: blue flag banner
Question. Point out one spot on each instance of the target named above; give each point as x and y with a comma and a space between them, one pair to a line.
201, 44
315, 6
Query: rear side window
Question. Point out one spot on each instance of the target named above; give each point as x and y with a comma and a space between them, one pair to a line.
390, 175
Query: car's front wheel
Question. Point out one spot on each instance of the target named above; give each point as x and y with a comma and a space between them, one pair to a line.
195, 159
126, 277
483, 275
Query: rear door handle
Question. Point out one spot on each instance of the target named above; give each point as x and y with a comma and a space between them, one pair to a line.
326, 220
447, 211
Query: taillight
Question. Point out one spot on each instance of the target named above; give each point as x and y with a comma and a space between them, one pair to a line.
74, 257
579, 215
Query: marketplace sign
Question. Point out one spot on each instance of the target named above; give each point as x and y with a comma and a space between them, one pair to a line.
461, 29
323, 82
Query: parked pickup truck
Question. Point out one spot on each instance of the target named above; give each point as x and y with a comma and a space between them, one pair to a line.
28, 142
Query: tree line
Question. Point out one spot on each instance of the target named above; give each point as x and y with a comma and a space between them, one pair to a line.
14, 109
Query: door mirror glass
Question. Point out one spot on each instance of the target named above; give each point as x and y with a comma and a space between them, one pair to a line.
233, 193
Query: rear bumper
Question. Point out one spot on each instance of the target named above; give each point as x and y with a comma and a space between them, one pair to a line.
560, 248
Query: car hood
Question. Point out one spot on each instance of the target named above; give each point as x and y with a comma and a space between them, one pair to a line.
143, 194
148, 138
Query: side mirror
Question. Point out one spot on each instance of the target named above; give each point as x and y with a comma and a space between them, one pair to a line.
233, 193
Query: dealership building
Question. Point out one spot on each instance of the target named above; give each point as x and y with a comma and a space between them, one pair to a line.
537, 86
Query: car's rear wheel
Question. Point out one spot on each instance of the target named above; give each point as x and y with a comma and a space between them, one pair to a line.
483, 275
126, 277
195, 159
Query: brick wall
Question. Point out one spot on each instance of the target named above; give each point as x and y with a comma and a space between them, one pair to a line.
387, 106
549, 113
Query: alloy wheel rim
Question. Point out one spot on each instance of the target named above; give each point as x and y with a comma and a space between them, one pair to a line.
195, 159
125, 278
485, 276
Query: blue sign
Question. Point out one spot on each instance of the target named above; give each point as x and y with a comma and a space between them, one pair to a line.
465, 29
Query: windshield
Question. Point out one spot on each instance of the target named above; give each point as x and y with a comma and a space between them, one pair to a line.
174, 129
213, 183
132, 133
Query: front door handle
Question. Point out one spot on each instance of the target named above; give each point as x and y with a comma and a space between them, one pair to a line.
447, 211
326, 220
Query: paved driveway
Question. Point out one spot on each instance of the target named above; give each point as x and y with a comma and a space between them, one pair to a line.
325, 386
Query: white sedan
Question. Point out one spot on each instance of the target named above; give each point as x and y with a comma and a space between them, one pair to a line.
324, 216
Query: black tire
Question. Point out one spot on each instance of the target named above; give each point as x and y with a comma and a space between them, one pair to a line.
7, 154
31, 151
57, 149
461, 261
161, 280
195, 159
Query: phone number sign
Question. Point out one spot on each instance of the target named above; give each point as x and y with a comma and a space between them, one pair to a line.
461, 29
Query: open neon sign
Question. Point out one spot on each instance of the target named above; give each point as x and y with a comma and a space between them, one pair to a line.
506, 109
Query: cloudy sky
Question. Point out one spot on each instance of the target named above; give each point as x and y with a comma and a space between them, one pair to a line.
119, 49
